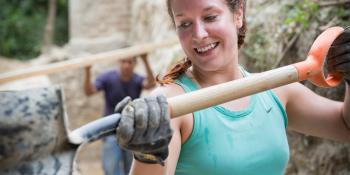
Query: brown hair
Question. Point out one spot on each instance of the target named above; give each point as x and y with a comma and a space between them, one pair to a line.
185, 63
178, 69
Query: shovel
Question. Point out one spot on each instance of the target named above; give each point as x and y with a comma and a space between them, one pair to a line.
34, 138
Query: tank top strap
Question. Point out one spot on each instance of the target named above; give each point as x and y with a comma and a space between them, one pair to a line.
243, 71
188, 85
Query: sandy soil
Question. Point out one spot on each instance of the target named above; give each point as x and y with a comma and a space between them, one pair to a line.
89, 159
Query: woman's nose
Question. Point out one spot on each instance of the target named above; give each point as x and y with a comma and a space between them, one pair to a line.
199, 31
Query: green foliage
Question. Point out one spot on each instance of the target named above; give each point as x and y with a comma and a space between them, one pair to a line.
267, 40
22, 26
342, 14
61, 28
300, 13
257, 50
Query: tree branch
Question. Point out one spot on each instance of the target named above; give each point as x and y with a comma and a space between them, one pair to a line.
334, 3
289, 45
49, 27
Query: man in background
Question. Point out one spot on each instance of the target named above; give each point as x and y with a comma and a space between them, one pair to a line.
117, 84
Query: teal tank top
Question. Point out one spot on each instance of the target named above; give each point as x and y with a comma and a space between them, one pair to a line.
251, 141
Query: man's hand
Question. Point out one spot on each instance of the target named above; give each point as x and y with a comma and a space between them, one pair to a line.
338, 57
89, 89
145, 128
88, 67
144, 57
150, 81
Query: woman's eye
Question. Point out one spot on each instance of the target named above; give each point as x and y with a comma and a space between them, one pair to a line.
210, 18
184, 25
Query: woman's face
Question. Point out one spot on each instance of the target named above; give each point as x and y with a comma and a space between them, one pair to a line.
207, 30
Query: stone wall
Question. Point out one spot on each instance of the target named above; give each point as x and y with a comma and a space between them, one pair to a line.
97, 26
151, 22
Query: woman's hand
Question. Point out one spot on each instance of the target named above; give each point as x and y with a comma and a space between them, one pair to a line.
145, 128
338, 57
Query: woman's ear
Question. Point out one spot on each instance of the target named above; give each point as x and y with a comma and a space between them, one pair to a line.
238, 16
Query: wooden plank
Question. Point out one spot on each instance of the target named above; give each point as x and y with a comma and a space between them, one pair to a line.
85, 61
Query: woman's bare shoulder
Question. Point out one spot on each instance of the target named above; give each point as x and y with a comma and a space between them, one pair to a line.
168, 90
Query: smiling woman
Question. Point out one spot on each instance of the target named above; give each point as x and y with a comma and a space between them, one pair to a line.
213, 19
243, 136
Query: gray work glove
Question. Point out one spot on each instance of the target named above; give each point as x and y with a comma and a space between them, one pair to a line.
338, 57
144, 128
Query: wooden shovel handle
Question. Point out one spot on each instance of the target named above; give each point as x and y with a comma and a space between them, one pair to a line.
218, 94
85, 61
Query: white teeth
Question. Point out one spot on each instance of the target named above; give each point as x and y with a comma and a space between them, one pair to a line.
204, 49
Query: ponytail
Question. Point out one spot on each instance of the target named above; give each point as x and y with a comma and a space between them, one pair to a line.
180, 68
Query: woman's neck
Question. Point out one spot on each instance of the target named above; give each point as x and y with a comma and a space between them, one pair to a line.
209, 78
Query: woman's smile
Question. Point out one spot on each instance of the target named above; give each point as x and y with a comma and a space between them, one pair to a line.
206, 50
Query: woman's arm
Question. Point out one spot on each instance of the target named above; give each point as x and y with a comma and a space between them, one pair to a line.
314, 115
346, 109
338, 61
